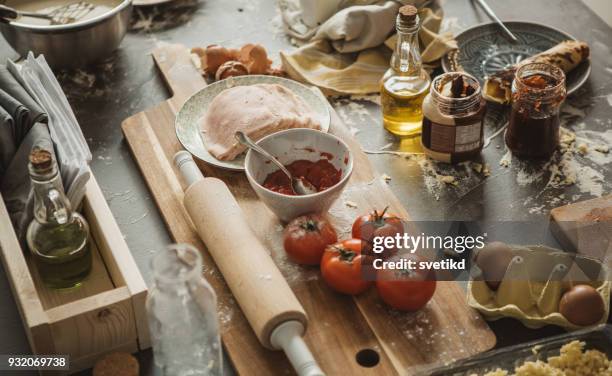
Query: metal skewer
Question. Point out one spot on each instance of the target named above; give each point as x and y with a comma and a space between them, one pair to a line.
492, 14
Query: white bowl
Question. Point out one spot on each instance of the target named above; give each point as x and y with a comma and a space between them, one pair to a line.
289, 146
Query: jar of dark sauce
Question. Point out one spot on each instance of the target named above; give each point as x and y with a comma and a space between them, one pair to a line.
538, 91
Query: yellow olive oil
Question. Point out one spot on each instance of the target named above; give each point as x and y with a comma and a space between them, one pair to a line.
405, 84
401, 106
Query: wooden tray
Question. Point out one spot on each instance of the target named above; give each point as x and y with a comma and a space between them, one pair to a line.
339, 326
107, 313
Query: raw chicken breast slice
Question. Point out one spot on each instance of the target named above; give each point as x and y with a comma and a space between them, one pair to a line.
257, 110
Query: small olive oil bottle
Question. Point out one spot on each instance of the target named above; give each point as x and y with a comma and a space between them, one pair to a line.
406, 83
57, 237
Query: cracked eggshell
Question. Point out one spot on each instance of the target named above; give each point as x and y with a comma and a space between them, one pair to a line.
231, 69
255, 58
214, 56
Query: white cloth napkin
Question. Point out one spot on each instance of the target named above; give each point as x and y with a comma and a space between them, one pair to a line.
291, 12
359, 27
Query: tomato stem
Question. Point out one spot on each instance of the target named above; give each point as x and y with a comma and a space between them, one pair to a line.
378, 219
310, 225
346, 255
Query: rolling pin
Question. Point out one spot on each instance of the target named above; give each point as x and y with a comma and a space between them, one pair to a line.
276, 316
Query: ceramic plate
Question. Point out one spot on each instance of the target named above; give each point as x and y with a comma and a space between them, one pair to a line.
484, 49
145, 3
189, 118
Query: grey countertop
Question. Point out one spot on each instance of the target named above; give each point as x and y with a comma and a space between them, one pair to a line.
128, 82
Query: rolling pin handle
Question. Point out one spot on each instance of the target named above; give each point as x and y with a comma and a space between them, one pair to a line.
288, 337
188, 168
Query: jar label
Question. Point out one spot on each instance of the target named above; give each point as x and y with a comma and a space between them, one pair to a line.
452, 138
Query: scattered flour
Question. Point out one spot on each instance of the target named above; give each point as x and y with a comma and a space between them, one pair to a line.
506, 160
537, 209
568, 168
276, 26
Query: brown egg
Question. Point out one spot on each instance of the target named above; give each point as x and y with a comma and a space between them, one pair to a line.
582, 305
493, 259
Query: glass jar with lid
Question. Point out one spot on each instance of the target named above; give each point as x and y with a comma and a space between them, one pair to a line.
538, 91
453, 116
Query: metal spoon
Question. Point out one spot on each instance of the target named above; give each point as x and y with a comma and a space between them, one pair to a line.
12, 14
299, 186
63, 15
492, 14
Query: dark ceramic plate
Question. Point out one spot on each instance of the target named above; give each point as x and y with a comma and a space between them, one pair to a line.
484, 49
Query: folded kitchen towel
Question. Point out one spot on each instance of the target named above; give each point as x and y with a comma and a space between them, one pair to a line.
357, 28
15, 99
15, 185
73, 154
32, 89
350, 52
7, 140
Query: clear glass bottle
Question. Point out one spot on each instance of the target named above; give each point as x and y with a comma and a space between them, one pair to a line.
57, 237
182, 311
406, 83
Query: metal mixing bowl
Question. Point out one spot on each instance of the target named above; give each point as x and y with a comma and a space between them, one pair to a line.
75, 44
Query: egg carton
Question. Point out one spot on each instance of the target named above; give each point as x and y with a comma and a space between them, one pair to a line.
534, 282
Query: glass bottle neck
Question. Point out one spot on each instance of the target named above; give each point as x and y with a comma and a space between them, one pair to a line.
407, 58
51, 206
177, 269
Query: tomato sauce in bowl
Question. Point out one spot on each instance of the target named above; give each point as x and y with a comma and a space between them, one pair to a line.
320, 174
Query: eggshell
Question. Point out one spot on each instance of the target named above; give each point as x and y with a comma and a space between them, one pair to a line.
214, 57
255, 58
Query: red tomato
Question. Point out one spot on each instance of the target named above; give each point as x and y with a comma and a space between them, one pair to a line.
306, 237
341, 267
405, 290
367, 227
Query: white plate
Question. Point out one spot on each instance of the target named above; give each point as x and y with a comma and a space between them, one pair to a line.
189, 118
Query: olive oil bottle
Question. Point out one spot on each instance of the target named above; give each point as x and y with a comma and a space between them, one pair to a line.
57, 237
406, 83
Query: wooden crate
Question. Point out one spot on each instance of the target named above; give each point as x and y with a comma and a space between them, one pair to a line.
107, 313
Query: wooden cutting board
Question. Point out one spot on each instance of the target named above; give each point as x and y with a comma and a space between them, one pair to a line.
585, 227
339, 326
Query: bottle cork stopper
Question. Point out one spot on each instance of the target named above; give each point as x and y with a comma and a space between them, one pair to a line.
41, 159
408, 13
